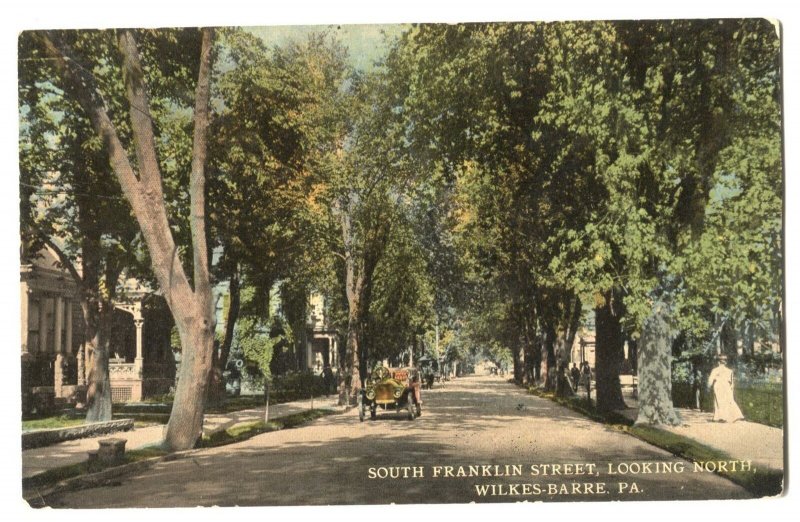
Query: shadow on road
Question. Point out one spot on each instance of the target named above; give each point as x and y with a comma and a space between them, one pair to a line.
476, 421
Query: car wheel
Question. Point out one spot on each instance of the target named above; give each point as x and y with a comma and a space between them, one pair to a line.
412, 410
373, 412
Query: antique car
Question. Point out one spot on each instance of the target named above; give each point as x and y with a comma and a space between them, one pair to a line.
391, 389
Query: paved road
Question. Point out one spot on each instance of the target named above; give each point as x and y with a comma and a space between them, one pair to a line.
479, 423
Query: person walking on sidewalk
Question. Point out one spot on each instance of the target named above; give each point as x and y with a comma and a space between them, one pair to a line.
721, 381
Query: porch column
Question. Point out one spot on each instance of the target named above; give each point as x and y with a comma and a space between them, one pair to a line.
81, 366
334, 352
24, 294
309, 353
68, 327
58, 374
43, 302
139, 361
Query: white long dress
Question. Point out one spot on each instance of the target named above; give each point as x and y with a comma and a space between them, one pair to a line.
725, 407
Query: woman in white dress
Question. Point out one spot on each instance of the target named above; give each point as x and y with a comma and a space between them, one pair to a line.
721, 380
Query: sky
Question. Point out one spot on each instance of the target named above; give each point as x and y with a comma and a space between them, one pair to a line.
366, 43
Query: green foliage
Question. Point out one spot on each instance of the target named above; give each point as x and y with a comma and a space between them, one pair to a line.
581, 157
257, 344
485, 179
273, 123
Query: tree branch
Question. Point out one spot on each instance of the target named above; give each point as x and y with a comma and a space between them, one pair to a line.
141, 121
146, 197
80, 85
63, 258
198, 176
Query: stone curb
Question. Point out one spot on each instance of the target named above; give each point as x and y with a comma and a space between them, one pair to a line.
47, 437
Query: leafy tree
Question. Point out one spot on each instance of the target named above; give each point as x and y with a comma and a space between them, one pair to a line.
274, 124
72, 203
141, 181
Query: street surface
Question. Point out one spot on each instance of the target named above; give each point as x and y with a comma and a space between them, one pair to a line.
478, 439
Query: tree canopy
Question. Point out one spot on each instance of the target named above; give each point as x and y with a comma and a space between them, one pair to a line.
482, 189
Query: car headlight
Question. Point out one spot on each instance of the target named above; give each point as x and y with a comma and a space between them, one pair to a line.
370, 394
398, 393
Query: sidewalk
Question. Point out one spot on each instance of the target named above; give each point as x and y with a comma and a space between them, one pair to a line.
38, 460
742, 440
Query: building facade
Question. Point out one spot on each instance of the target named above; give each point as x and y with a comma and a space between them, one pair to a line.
53, 350
322, 346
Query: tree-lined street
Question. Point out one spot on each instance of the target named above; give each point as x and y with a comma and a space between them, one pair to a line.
524, 197
478, 420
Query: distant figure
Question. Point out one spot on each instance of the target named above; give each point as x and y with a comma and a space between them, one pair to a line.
721, 381
697, 380
328, 380
576, 376
586, 376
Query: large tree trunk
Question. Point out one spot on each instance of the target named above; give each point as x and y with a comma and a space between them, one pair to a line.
216, 386
547, 372
562, 349
655, 370
531, 358
570, 321
728, 340
97, 318
633, 355
609, 354
97, 315
186, 419
350, 377
536, 353
196, 328
519, 362
192, 308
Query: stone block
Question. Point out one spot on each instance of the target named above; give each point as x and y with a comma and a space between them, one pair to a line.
111, 451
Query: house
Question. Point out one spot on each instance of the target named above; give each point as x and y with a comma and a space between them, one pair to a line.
53, 352
322, 348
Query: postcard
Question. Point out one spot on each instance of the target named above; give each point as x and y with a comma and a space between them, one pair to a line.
488, 262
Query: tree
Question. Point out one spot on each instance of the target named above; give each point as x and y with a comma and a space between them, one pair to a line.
273, 126
366, 179
72, 203
191, 303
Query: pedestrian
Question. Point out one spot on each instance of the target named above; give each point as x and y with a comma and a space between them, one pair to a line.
576, 376
721, 381
586, 376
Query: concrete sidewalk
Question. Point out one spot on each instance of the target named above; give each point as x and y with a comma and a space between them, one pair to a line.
38, 460
741, 440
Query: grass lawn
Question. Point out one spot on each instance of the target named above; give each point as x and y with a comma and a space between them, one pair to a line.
246, 430
68, 421
58, 421
760, 482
